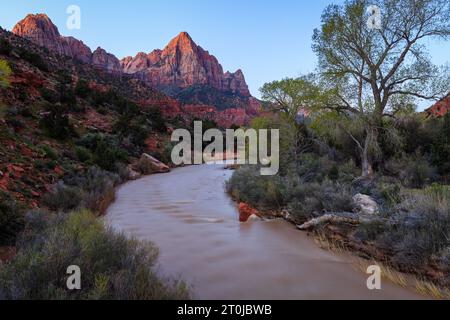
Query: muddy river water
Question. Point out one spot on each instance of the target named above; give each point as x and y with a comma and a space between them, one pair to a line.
188, 215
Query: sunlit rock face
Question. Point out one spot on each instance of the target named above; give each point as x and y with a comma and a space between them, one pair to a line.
183, 64
441, 108
184, 71
39, 29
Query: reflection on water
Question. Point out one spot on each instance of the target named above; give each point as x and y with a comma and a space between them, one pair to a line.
195, 225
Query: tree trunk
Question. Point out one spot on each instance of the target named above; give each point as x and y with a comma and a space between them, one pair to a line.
367, 156
367, 167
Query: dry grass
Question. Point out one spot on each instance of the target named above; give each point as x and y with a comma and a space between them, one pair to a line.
429, 289
327, 244
102, 203
388, 273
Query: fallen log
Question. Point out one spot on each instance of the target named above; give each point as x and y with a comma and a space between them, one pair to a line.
327, 218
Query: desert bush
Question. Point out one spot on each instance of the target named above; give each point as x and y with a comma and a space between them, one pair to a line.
33, 58
11, 219
94, 190
113, 267
370, 230
49, 152
387, 192
5, 47
303, 199
440, 150
421, 226
5, 72
63, 197
83, 154
158, 123
106, 150
56, 123
49, 95
414, 171
98, 188
67, 97
307, 200
247, 185
82, 89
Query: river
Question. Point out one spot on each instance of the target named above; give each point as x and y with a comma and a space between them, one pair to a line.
188, 215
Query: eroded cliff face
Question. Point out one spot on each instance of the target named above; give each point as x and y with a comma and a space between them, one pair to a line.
183, 64
183, 70
441, 108
104, 60
39, 29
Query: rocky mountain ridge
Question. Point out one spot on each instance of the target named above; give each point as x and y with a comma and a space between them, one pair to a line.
183, 70
39, 29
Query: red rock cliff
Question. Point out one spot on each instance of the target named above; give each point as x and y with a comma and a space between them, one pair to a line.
183, 64
39, 29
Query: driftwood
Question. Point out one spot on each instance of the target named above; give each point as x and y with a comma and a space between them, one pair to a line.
328, 218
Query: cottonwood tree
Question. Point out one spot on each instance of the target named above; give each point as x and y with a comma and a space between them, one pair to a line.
287, 97
371, 74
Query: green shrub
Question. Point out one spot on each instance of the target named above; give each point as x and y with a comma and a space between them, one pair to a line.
67, 97
414, 171
303, 199
94, 190
98, 188
63, 198
82, 89
5, 47
158, 123
371, 230
56, 123
307, 200
50, 152
11, 219
33, 58
49, 95
421, 226
441, 146
83, 154
106, 150
112, 266
247, 185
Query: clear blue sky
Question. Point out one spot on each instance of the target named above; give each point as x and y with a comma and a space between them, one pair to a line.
268, 40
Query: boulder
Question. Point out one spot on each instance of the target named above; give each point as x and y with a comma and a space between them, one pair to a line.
248, 213
365, 205
132, 174
148, 165
254, 218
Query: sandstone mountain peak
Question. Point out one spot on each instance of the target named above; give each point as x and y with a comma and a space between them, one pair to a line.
183, 36
39, 21
183, 69
39, 29
183, 64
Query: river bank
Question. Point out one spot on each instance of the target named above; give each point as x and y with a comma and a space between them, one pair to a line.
188, 215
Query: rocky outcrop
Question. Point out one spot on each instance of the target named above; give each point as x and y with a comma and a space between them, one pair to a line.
106, 61
183, 64
248, 213
440, 109
39, 29
182, 70
149, 165
365, 205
